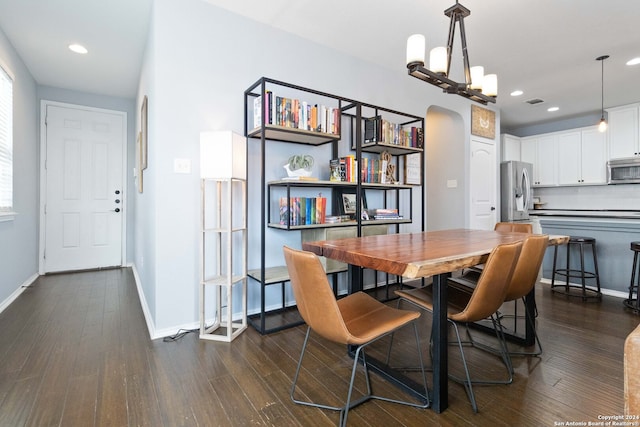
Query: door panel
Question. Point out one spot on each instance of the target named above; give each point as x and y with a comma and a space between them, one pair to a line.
83, 170
483, 185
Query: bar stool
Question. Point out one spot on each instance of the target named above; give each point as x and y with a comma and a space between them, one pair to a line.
584, 292
631, 302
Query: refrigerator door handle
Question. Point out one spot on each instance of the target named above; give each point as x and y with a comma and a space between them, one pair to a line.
526, 188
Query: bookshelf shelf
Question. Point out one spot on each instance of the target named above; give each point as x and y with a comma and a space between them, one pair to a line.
262, 111
298, 136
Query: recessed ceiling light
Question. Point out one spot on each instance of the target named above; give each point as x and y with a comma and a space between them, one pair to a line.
634, 61
552, 109
78, 48
517, 93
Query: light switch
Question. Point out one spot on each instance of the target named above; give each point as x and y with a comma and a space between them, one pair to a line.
452, 183
182, 165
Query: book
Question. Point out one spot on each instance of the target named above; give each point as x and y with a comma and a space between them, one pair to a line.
284, 211
257, 112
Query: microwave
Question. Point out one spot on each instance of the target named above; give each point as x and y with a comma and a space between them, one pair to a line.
623, 171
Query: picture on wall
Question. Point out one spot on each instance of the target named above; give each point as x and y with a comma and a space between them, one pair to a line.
483, 122
143, 132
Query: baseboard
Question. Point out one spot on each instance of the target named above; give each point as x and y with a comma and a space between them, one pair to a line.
4, 304
609, 292
143, 303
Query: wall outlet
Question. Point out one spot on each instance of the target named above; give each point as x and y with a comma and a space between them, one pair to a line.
182, 165
452, 183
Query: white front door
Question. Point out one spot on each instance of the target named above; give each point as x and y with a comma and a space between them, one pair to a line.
483, 185
83, 195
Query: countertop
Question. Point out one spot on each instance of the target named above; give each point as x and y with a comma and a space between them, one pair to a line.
585, 213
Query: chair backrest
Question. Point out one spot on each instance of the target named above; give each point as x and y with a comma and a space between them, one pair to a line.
316, 303
488, 295
513, 226
525, 274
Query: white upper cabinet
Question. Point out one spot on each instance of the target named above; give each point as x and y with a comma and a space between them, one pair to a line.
594, 156
541, 151
510, 148
582, 156
623, 131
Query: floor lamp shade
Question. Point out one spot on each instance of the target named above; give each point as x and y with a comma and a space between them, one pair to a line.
223, 154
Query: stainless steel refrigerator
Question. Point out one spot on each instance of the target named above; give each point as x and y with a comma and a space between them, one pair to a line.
516, 194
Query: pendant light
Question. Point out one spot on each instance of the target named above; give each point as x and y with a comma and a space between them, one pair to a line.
602, 127
477, 86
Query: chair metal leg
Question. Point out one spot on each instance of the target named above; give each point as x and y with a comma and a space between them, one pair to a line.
359, 356
467, 384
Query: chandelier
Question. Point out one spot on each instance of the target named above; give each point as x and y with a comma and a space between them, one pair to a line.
476, 87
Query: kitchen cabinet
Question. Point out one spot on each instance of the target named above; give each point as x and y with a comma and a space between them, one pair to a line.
623, 131
582, 157
541, 152
510, 149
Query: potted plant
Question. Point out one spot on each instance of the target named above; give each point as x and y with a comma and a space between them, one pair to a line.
299, 165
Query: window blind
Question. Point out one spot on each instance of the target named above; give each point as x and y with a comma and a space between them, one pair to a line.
6, 142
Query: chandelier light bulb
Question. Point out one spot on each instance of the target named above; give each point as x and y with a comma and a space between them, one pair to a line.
477, 77
415, 49
438, 60
490, 85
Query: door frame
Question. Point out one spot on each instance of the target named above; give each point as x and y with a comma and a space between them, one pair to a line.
43, 180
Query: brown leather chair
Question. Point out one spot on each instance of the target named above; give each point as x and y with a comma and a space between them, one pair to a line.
357, 320
467, 307
523, 280
517, 227
514, 226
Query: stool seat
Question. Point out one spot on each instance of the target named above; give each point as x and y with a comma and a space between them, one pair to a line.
633, 302
574, 290
582, 239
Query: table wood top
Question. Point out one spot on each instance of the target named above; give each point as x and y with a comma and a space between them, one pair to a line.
414, 255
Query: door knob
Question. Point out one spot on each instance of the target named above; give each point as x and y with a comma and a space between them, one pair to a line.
117, 209
117, 191
117, 200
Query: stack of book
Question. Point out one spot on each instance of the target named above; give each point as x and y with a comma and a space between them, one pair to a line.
386, 214
303, 210
293, 113
343, 169
377, 129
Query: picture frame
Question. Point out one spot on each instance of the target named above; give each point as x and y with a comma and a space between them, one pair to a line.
413, 169
139, 161
483, 122
346, 201
144, 134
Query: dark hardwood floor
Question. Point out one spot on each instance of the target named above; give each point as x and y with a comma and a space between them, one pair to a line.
75, 351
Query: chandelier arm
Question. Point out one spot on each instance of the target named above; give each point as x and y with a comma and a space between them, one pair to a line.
465, 54
452, 33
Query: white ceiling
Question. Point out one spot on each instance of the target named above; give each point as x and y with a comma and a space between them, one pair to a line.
547, 48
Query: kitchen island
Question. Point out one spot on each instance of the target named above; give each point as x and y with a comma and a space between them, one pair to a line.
613, 230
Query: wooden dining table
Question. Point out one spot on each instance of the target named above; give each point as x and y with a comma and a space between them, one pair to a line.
417, 255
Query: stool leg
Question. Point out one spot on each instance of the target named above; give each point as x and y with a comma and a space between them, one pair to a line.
595, 267
633, 276
566, 286
584, 282
553, 271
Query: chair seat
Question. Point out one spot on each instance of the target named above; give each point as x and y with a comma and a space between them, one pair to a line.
635, 246
457, 298
366, 318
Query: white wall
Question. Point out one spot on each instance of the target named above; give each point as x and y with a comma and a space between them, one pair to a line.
199, 61
19, 238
